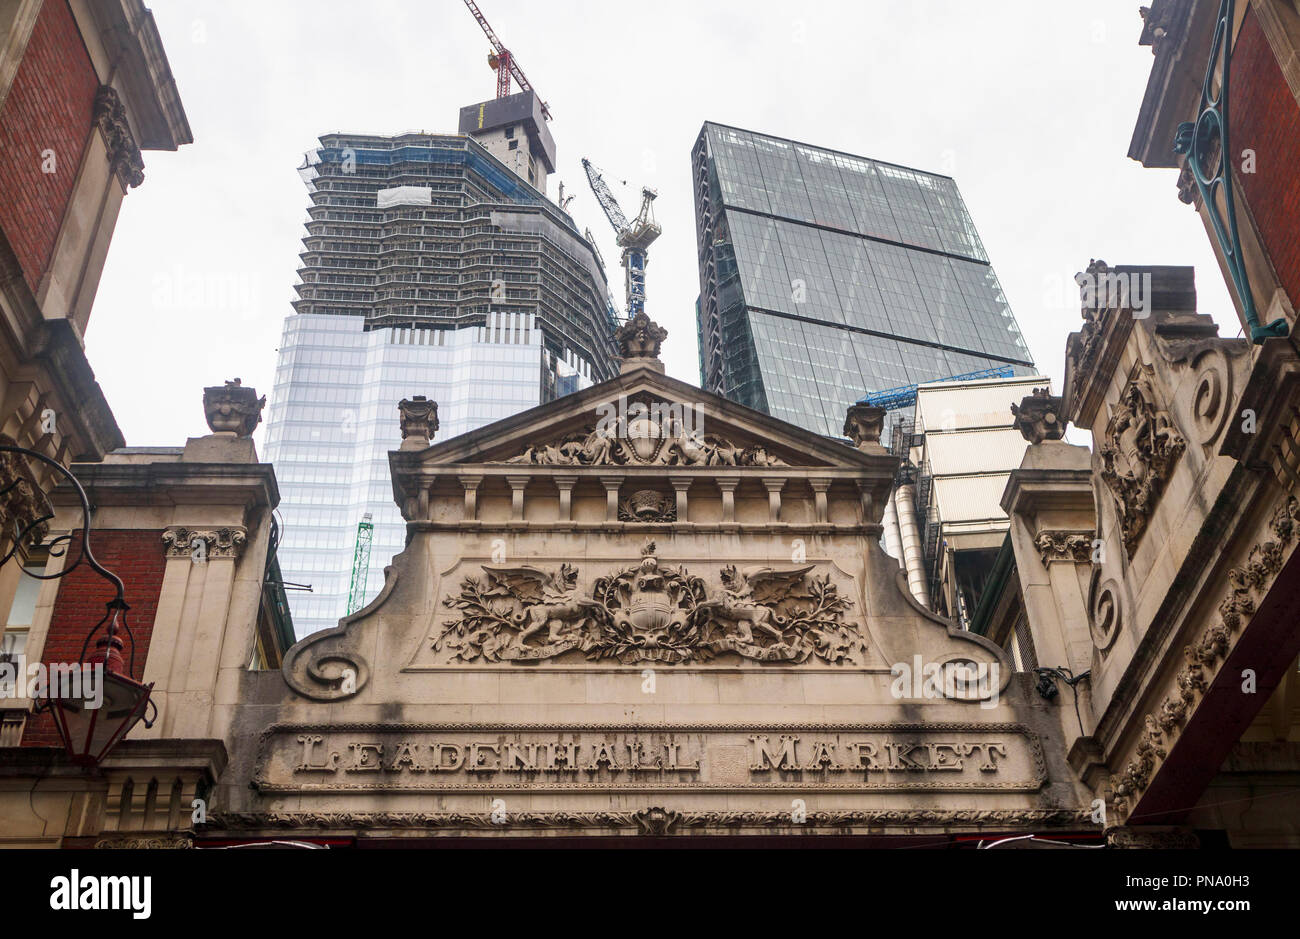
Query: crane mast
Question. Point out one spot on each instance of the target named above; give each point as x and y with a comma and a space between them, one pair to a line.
633, 237
502, 61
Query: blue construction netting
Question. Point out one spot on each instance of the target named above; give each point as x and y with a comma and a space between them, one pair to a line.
514, 188
904, 395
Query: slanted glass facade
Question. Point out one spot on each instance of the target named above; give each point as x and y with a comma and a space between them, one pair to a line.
824, 276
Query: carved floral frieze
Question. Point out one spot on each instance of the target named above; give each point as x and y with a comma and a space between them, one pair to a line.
649, 612
653, 820
1203, 657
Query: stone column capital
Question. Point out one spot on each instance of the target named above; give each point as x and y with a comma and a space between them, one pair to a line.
180, 541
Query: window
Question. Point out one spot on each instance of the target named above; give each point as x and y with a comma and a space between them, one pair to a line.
514, 145
21, 612
510, 132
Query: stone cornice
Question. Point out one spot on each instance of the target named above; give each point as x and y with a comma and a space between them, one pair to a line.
172, 483
1179, 33
1031, 490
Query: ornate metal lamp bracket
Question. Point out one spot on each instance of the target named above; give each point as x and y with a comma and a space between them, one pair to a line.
1198, 140
115, 613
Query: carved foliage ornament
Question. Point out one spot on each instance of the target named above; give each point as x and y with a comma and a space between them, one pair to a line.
652, 820
646, 505
123, 154
647, 820
208, 543
649, 612
1138, 454
1073, 546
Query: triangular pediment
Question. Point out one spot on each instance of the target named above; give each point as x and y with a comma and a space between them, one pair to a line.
645, 418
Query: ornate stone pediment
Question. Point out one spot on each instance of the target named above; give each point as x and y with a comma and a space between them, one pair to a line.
1138, 454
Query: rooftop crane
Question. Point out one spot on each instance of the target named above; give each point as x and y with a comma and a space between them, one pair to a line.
502, 62
633, 237
360, 564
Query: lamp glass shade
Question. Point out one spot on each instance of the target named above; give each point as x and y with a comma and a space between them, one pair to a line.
89, 731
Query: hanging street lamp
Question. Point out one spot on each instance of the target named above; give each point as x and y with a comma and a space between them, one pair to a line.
96, 702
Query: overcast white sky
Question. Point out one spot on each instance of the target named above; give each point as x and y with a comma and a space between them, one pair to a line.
1028, 104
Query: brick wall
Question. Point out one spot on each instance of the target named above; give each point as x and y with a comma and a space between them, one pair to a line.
49, 107
137, 558
1265, 118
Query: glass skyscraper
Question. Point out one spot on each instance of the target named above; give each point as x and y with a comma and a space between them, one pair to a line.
824, 276
432, 265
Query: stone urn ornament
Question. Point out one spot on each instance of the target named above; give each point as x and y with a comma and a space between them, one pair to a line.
232, 410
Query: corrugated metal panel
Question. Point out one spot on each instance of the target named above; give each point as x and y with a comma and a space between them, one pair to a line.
966, 498
972, 404
975, 451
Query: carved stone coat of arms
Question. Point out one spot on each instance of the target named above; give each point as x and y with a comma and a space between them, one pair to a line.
649, 612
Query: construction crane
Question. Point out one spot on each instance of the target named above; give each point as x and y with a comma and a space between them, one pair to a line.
633, 237
891, 399
502, 62
360, 564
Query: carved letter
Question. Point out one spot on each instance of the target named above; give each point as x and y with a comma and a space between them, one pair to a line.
475, 762
361, 762
404, 755
603, 751
458, 757
765, 759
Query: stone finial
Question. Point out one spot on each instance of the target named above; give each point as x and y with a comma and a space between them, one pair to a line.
233, 410
1038, 416
419, 419
863, 425
638, 343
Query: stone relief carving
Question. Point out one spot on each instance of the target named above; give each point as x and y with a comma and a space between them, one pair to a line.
24, 509
1138, 454
1073, 546
124, 156
215, 542
645, 446
233, 409
649, 612
1107, 615
646, 505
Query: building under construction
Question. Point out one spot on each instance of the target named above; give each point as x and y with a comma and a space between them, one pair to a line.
433, 264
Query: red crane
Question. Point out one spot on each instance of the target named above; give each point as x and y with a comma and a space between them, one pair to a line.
500, 60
